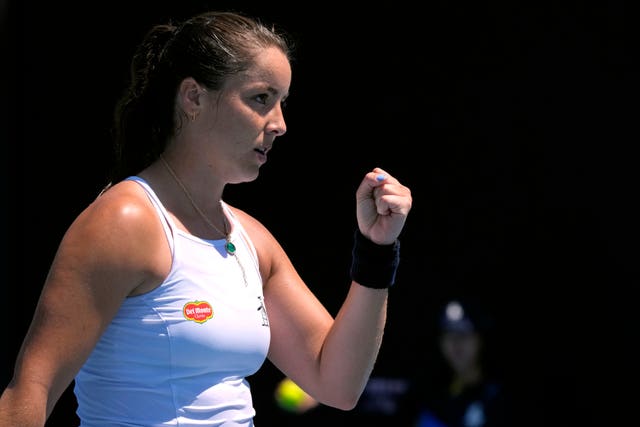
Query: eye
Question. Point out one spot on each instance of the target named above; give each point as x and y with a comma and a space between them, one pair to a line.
262, 98
269, 100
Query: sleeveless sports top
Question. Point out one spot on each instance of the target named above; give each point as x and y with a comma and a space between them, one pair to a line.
179, 355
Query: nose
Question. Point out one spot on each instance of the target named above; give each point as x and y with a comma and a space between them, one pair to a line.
276, 124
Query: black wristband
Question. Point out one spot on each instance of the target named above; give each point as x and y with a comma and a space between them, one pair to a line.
374, 266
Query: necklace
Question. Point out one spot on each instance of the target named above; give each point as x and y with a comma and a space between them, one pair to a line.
229, 246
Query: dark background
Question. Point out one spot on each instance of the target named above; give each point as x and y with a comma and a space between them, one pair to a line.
513, 124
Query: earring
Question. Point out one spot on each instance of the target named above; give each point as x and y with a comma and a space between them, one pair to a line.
193, 116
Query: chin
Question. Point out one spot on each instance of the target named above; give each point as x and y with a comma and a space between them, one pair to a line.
248, 176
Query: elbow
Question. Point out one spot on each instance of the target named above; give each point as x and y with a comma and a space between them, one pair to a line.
343, 400
347, 406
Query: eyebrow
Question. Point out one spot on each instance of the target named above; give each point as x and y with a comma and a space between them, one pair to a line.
275, 91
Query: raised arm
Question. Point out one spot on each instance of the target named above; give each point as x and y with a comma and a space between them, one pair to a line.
332, 359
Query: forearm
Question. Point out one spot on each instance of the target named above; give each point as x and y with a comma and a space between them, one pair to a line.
351, 347
22, 408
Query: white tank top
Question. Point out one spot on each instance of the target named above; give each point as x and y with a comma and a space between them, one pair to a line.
180, 354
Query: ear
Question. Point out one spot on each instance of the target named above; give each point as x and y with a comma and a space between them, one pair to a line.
189, 93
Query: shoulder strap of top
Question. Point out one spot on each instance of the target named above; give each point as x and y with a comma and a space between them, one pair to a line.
243, 234
167, 223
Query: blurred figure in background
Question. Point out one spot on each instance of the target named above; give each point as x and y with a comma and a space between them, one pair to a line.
466, 394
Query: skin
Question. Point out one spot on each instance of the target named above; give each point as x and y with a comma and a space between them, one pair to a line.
117, 248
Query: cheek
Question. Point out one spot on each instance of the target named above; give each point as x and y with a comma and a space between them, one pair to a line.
244, 122
225, 128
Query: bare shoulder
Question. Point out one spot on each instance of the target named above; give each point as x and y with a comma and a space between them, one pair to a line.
255, 228
121, 234
270, 254
124, 207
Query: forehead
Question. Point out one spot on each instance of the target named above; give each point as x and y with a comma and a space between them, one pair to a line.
270, 69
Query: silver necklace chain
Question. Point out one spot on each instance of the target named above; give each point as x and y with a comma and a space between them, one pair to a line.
229, 246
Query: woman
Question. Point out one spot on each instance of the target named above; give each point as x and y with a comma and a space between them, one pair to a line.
163, 298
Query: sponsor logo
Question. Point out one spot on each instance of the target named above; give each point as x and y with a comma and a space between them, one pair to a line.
198, 311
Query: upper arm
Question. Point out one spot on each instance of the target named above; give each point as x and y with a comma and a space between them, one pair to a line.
296, 317
104, 255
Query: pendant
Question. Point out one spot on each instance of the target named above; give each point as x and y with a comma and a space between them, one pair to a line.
230, 247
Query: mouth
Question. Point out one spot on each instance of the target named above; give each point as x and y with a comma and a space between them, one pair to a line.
262, 154
262, 151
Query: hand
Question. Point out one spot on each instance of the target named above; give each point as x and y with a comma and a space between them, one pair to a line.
382, 206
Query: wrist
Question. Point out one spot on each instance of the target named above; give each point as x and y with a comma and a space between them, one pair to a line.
373, 265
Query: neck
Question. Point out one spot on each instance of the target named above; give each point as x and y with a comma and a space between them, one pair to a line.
224, 230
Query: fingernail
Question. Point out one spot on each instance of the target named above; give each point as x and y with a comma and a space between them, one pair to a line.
380, 177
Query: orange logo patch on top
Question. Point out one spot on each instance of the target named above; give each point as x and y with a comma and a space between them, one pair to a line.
198, 311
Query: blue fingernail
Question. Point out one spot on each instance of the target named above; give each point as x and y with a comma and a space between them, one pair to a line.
380, 177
